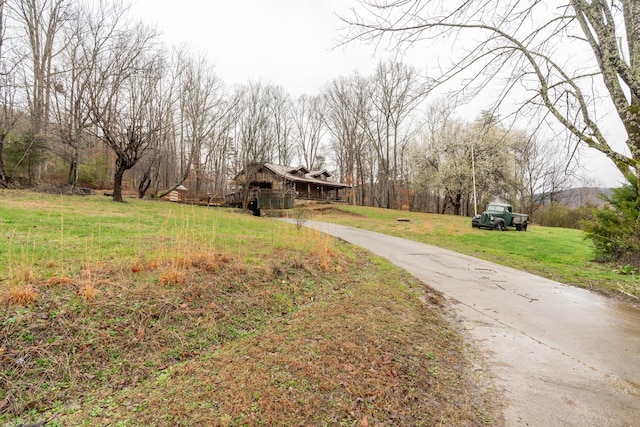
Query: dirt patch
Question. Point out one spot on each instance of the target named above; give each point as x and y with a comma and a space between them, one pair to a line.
332, 210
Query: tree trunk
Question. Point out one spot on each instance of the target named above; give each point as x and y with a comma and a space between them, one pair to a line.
3, 176
117, 180
73, 167
144, 185
456, 204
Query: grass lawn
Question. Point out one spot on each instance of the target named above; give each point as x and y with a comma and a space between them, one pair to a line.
557, 253
152, 313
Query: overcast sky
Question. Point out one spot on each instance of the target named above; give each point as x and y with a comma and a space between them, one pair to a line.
291, 43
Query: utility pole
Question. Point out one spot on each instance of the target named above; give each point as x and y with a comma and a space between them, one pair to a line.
473, 176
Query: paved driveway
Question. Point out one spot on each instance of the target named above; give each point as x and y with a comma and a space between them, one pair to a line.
564, 356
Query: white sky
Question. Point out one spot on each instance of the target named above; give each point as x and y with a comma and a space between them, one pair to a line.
285, 42
290, 43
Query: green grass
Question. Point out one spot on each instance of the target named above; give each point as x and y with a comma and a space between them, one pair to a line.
557, 253
54, 235
153, 313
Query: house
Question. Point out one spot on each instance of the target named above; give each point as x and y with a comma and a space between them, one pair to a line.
276, 187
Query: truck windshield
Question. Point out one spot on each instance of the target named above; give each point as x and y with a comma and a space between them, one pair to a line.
495, 208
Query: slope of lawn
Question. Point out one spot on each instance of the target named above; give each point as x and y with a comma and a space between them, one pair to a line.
557, 253
157, 314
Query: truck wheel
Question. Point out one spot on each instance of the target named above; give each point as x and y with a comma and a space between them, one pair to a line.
499, 226
524, 226
519, 227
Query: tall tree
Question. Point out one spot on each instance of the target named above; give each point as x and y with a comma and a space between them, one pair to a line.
163, 170
310, 128
124, 98
42, 21
8, 108
395, 93
346, 101
441, 160
281, 113
253, 134
543, 169
201, 97
218, 146
84, 40
526, 45
8, 119
3, 86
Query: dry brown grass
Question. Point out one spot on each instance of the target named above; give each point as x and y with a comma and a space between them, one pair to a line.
20, 295
290, 353
137, 267
88, 292
172, 276
208, 261
76, 338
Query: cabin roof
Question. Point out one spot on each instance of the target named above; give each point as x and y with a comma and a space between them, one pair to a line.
312, 177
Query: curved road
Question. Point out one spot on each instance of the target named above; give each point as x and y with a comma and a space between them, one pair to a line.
564, 356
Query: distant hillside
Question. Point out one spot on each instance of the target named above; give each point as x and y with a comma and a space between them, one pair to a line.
575, 197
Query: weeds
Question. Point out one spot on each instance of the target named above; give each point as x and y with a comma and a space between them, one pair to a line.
301, 216
89, 292
626, 270
21, 295
253, 323
172, 276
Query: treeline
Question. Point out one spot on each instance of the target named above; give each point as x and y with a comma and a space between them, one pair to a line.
91, 97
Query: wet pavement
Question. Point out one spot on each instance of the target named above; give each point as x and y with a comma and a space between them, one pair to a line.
563, 356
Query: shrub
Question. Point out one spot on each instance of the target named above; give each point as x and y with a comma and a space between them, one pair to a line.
615, 229
559, 215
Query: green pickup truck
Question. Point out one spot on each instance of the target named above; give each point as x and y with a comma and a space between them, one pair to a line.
499, 216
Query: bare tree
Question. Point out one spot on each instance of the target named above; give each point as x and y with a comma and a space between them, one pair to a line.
218, 146
527, 45
160, 161
310, 128
8, 118
253, 134
281, 113
3, 120
123, 98
201, 97
8, 112
84, 40
544, 168
163, 168
41, 21
395, 92
346, 101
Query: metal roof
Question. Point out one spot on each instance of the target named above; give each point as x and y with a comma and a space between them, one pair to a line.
289, 172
